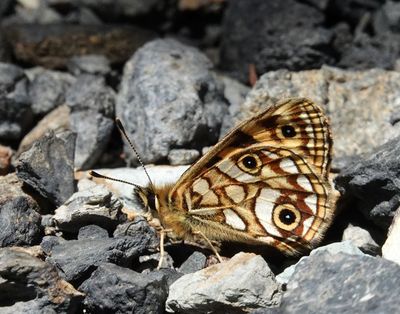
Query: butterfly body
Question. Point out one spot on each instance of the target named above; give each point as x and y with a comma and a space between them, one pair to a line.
265, 183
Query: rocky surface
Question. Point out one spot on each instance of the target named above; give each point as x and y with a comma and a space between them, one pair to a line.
70, 67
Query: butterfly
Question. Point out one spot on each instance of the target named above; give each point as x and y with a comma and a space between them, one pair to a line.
265, 183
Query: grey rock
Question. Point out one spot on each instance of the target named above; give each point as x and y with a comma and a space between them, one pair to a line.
183, 156
138, 228
171, 275
343, 283
273, 35
94, 132
95, 205
245, 282
362, 239
27, 284
90, 92
77, 259
48, 167
195, 262
92, 232
387, 18
49, 241
6, 154
345, 247
152, 261
113, 289
178, 100
390, 249
20, 223
343, 95
47, 89
15, 109
89, 64
371, 185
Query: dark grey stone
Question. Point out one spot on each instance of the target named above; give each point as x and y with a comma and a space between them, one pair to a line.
371, 186
92, 232
19, 223
387, 18
94, 131
48, 242
47, 89
139, 227
15, 110
27, 284
48, 167
113, 289
77, 259
175, 102
342, 283
273, 35
89, 64
195, 262
91, 93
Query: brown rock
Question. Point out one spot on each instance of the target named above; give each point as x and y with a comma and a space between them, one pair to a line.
52, 46
5, 159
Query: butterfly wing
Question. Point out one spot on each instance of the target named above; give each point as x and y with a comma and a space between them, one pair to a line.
266, 181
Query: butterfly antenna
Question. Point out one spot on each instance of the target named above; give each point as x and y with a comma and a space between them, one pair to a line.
123, 132
98, 175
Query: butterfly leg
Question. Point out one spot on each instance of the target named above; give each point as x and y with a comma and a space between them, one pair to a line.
210, 244
162, 251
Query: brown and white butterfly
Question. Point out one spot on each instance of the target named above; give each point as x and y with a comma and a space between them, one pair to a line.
265, 183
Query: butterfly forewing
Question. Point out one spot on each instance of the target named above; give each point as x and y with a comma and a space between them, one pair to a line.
266, 181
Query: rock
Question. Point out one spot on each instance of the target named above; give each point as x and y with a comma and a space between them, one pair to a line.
5, 159
56, 120
95, 205
152, 261
367, 52
387, 18
15, 109
92, 106
91, 93
77, 259
345, 247
92, 232
114, 289
186, 108
47, 89
158, 174
183, 156
48, 167
362, 239
89, 64
390, 249
49, 242
284, 34
27, 284
245, 282
370, 185
340, 93
63, 41
328, 283
137, 228
195, 262
19, 219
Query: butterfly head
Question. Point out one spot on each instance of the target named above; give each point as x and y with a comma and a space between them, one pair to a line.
147, 198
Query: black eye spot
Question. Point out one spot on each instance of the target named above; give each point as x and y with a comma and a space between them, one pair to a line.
249, 162
152, 201
288, 131
287, 216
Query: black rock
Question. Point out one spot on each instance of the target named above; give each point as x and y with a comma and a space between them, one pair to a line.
27, 284
20, 223
15, 110
77, 259
113, 289
341, 283
48, 167
138, 228
370, 185
92, 232
178, 94
273, 35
